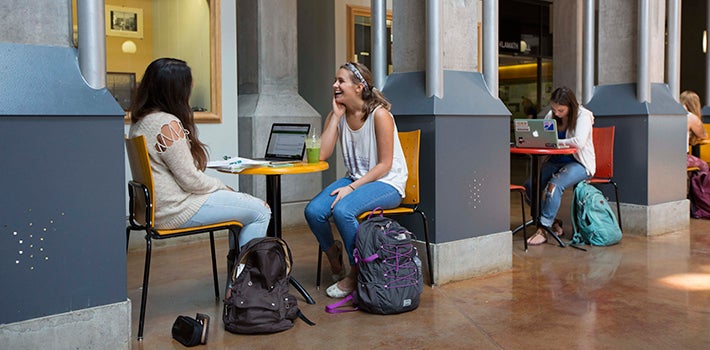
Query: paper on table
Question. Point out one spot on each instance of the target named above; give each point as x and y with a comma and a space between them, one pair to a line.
235, 164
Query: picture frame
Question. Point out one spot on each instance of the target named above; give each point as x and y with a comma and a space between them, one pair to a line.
124, 21
121, 86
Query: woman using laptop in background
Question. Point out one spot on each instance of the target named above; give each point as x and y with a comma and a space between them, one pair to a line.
185, 195
559, 172
376, 169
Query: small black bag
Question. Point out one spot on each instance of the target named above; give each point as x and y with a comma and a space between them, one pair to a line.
189, 331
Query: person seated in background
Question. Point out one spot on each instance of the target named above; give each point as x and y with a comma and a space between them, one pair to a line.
184, 195
696, 130
528, 108
559, 172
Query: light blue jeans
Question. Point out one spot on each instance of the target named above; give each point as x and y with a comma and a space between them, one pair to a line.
366, 197
562, 176
226, 205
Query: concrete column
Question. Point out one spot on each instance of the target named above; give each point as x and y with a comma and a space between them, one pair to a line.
465, 163
268, 93
567, 17
650, 135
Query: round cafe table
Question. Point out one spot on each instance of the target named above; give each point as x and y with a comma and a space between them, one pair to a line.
535, 169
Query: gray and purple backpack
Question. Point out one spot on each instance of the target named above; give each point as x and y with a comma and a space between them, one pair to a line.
390, 277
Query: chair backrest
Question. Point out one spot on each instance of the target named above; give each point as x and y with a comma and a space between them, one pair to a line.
604, 151
139, 161
410, 141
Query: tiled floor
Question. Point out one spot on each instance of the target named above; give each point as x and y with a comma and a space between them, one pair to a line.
645, 293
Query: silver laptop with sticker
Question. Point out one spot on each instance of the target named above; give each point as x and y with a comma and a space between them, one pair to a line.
536, 133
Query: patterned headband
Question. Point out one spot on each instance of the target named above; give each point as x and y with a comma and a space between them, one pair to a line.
357, 74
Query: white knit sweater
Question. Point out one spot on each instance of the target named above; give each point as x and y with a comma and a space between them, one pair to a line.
180, 188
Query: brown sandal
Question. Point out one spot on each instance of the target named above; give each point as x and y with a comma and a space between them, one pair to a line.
557, 228
535, 235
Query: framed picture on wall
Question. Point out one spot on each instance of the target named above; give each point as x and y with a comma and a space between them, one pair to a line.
121, 86
124, 21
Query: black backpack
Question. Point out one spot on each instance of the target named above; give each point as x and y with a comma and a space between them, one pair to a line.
390, 275
258, 299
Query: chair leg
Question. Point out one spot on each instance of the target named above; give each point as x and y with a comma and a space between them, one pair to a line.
144, 294
522, 211
320, 261
214, 267
428, 248
128, 236
618, 206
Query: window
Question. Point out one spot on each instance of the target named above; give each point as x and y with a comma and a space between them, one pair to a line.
358, 32
184, 29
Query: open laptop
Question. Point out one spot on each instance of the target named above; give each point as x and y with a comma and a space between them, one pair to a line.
287, 143
536, 133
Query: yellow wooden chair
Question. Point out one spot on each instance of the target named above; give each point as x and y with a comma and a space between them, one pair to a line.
141, 216
410, 141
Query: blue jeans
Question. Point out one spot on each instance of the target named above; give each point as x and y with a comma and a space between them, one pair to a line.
226, 205
562, 176
366, 197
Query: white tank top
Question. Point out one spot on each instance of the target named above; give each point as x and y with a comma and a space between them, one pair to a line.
360, 153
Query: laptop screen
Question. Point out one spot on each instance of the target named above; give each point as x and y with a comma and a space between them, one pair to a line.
287, 141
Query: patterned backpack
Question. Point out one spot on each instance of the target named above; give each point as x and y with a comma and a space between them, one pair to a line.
390, 277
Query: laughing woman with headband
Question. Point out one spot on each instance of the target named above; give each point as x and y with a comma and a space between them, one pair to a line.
376, 169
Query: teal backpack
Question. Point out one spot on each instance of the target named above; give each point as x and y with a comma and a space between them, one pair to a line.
592, 219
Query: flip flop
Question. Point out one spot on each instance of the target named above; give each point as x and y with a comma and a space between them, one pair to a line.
530, 240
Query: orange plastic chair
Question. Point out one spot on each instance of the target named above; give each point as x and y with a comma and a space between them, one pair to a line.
141, 216
410, 141
521, 190
604, 151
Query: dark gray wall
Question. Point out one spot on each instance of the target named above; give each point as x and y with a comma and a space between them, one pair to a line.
649, 145
62, 213
465, 159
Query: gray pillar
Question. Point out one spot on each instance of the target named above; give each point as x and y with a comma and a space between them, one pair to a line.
434, 70
92, 42
588, 60
650, 145
268, 93
490, 45
567, 42
673, 50
643, 85
467, 202
379, 42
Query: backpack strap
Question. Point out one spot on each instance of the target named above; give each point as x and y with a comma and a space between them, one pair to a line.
577, 240
335, 308
374, 212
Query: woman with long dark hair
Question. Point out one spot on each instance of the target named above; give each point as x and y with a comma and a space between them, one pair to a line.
184, 195
559, 172
376, 169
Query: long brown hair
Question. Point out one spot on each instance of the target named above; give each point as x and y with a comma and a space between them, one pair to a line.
565, 96
691, 101
166, 87
372, 96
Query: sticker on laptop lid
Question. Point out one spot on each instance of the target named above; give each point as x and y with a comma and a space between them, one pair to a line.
522, 125
548, 125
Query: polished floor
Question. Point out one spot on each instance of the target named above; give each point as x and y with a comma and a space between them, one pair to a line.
644, 293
